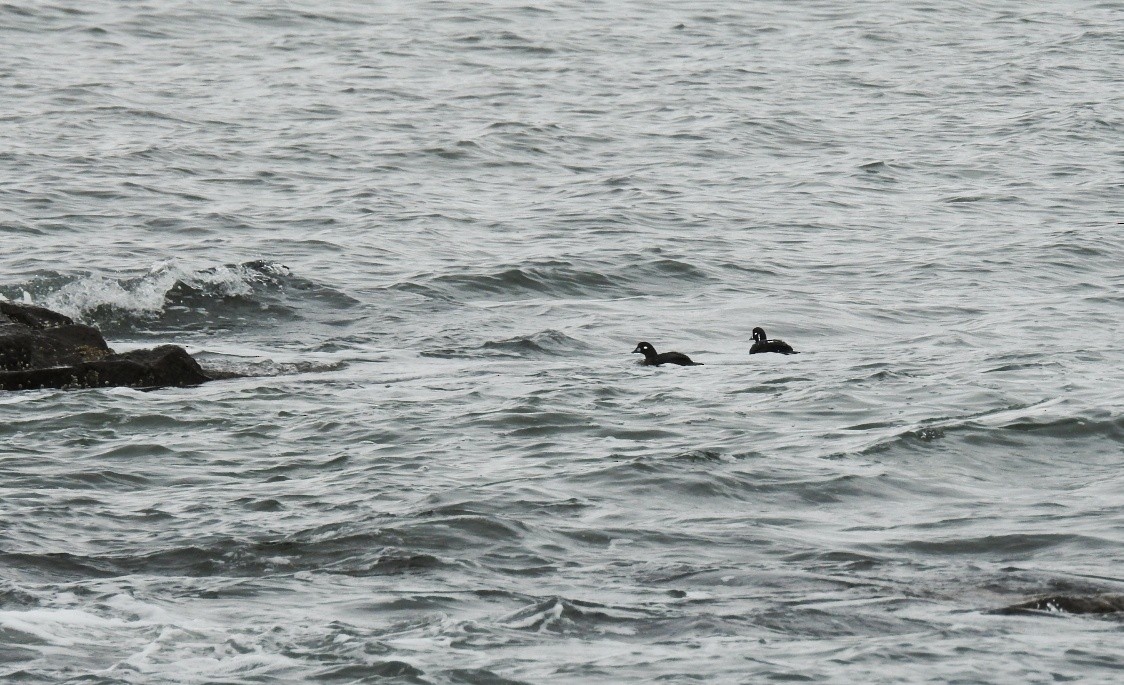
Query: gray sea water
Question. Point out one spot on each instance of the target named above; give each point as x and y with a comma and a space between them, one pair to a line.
433, 232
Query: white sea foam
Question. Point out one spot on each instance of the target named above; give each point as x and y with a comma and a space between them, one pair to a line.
58, 626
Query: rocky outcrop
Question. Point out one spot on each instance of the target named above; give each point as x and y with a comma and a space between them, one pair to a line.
40, 348
1069, 604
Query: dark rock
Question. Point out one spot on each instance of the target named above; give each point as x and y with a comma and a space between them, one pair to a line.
1068, 604
32, 316
26, 348
40, 348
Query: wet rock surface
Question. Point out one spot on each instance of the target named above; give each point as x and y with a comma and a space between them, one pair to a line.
40, 348
1068, 604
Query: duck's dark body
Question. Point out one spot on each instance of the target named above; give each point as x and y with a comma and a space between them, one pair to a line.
651, 358
761, 343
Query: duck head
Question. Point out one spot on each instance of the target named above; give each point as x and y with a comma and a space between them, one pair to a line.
758, 334
645, 349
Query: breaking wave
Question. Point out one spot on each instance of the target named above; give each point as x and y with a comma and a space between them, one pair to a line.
171, 296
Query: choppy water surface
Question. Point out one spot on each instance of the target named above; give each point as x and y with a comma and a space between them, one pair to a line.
433, 232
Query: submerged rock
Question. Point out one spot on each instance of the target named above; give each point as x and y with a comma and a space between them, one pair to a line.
1069, 604
40, 348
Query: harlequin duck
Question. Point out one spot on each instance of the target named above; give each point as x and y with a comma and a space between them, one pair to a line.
762, 344
653, 359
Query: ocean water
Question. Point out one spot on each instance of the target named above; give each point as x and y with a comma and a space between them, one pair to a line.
431, 233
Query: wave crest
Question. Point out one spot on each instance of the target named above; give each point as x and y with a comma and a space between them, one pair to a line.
173, 296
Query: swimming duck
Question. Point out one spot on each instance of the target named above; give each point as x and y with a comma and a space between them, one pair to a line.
762, 344
653, 359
